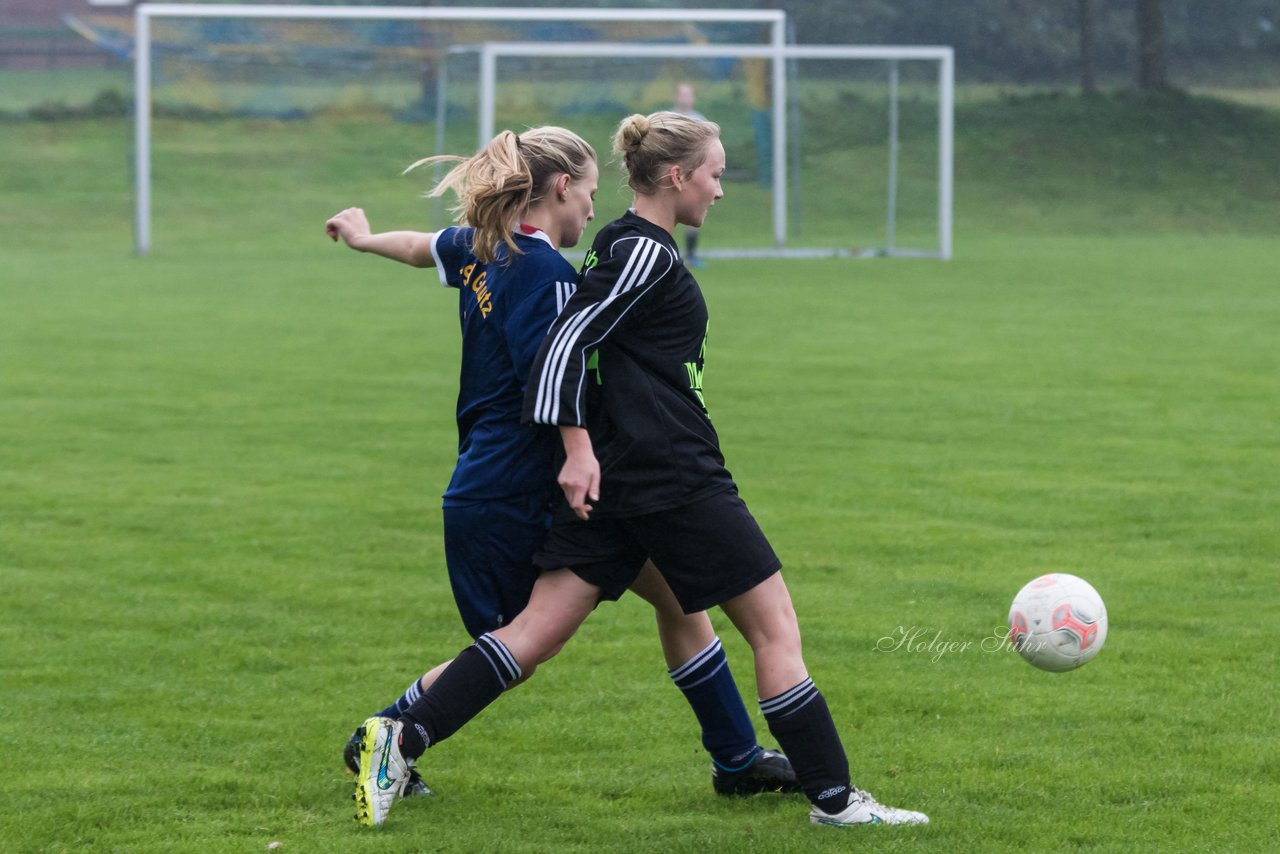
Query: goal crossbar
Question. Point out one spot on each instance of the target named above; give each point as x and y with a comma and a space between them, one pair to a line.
457, 13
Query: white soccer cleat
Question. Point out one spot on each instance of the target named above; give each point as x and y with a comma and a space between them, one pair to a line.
864, 809
384, 773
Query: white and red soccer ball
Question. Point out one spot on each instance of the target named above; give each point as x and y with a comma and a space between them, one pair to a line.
1058, 622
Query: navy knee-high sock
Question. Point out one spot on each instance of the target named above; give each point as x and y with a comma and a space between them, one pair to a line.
800, 720
474, 679
727, 733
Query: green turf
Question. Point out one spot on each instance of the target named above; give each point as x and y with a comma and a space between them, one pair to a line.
220, 536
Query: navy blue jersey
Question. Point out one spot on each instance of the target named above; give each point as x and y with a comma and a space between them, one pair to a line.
505, 311
624, 360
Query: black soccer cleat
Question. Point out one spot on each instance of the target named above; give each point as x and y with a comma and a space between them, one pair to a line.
770, 771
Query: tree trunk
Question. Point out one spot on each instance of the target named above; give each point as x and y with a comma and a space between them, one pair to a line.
1151, 65
1087, 84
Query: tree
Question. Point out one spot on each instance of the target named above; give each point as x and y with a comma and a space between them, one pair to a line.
1152, 73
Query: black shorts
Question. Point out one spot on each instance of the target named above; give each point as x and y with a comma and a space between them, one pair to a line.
708, 551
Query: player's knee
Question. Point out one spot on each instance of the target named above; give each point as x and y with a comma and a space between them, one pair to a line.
779, 634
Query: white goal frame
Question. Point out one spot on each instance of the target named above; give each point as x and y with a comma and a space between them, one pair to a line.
779, 54
777, 50
145, 12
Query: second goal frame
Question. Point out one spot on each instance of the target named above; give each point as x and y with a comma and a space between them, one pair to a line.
779, 54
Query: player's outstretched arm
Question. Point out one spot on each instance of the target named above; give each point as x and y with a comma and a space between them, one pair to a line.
407, 247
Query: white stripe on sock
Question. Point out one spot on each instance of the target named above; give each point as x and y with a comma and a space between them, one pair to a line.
797, 695
696, 661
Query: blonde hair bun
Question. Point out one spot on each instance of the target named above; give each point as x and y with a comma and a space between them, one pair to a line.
633, 130
649, 145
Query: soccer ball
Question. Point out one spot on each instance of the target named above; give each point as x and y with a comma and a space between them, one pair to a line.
1058, 622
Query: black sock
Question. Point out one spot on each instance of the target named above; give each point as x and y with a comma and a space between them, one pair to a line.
691, 245
801, 722
413, 739
474, 679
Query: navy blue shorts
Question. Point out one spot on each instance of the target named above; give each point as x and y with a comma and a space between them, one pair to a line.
489, 546
708, 551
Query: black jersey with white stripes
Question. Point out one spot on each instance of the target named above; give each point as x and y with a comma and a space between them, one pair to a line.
625, 360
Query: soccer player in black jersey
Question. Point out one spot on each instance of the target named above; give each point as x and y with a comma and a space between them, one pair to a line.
525, 196
620, 374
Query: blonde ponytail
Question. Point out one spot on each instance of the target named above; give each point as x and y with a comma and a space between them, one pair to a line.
498, 184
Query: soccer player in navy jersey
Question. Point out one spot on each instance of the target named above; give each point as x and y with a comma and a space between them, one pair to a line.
525, 196
620, 374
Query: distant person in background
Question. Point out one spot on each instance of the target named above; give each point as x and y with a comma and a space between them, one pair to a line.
685, 99
756, 74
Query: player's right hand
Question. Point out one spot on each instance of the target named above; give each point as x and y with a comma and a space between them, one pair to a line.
580, 480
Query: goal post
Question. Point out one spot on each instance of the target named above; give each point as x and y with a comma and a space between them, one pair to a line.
778, 54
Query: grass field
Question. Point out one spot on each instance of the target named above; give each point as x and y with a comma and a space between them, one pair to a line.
220, 536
